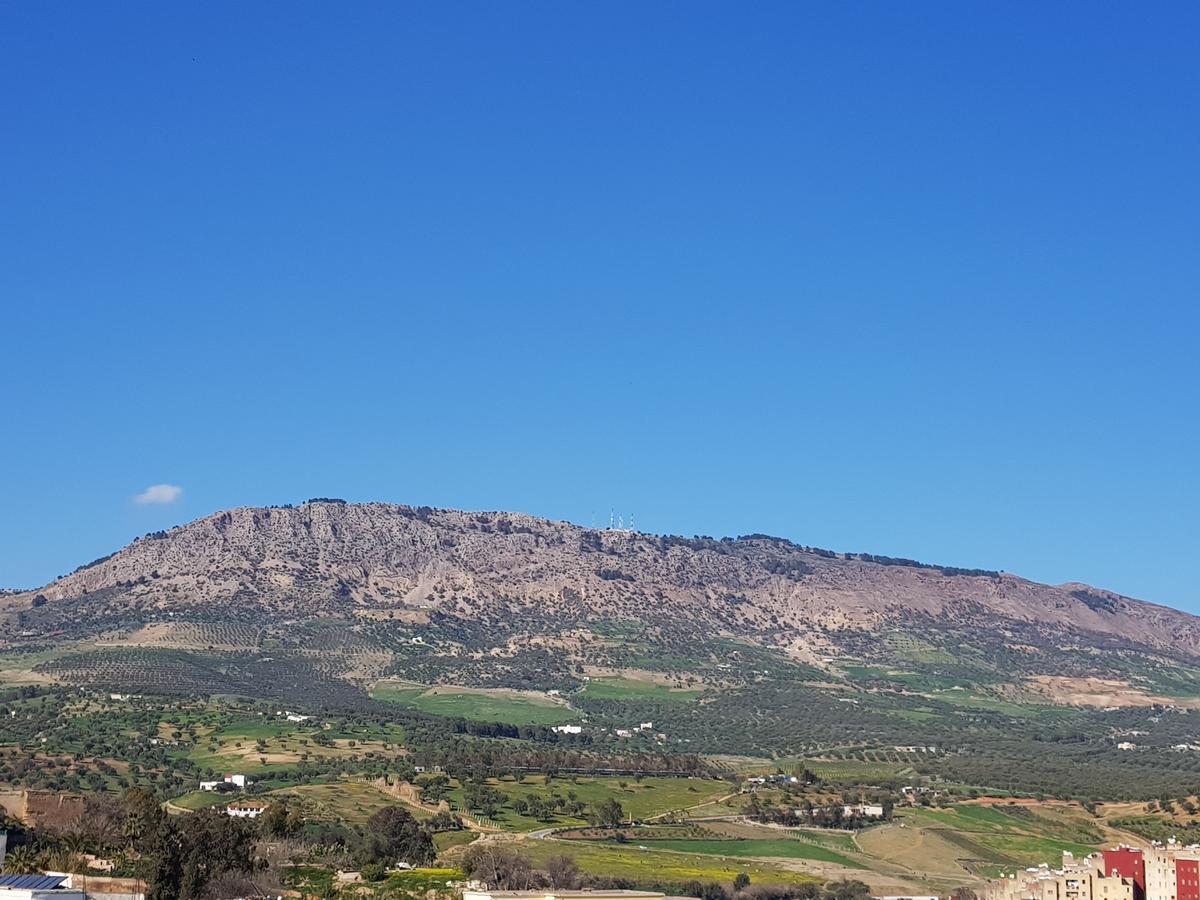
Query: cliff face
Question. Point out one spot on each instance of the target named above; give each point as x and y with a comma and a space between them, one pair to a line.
507, 575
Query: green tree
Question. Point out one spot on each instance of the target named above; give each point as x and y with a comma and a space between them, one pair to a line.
373, 872
279, 820
183, 857
609, 812
393, 835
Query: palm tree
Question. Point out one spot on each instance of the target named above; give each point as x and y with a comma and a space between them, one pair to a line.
132, 829
22, 861
63, 859
74, 842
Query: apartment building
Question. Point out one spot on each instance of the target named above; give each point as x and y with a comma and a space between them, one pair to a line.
1073, 882
1159, 872
1169, 871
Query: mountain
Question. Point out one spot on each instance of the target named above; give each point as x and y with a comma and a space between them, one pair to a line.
500, 582
751, 645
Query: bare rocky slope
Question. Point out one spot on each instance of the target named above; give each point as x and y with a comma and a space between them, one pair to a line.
488, 579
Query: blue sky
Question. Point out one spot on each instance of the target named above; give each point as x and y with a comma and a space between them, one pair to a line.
913, 279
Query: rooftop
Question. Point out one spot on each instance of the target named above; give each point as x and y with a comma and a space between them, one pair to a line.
31, 882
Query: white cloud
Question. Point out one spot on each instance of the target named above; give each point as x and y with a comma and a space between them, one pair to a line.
159, 493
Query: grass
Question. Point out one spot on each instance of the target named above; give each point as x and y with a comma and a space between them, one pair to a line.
349, 802
970, 817
649, 867
445, 840
785, 848
994, 836
202, 800
477, 704
233, 746
837, 841
253, 728
968, 700
919, 850
715, 809
24, 661
985, 840
833, 840
314, 881
624, 688
855, 769
734, 839
642, 800
418, 882
1031, 849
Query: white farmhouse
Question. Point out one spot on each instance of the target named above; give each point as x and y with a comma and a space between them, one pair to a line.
238, 781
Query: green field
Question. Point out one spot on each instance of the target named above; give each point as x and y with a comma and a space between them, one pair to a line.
261, 745
445, 840
349, 802
252, 728
1030, 848
650, 867
855, 769
619, 688
1020, 837
477, 704
784, 848
202, 800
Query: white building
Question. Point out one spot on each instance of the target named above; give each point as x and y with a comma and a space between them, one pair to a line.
568, 729
246, 810
866, 810
238, 781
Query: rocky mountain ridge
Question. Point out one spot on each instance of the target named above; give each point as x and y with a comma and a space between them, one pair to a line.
504, 577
